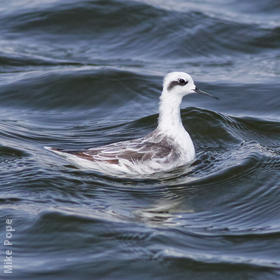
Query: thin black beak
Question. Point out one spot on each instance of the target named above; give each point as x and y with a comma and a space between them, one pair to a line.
199, 91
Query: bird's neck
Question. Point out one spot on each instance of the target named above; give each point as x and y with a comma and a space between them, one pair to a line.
169, 114
170, 124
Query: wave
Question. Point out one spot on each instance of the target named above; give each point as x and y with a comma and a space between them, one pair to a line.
98, 29
77, 88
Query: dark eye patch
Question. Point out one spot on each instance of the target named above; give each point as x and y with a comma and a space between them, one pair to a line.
180, 82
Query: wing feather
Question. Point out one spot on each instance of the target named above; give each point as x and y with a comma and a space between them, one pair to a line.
132, 150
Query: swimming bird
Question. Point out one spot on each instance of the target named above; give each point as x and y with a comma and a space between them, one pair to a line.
165, 148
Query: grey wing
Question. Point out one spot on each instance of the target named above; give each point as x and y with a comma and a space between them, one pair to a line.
132, 150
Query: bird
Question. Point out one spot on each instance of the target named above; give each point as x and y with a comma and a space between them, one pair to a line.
167, 147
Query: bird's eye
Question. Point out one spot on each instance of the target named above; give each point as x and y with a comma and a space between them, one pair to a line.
182, 82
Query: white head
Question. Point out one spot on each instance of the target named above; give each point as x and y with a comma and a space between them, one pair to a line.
180, 84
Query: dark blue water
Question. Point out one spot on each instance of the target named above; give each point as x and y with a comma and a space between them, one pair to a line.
78, 74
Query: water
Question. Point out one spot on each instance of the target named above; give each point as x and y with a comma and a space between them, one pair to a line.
78, 74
